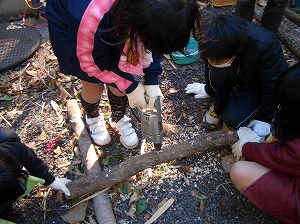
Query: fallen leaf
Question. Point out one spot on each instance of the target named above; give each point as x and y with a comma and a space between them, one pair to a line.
77, 214
131, 212
135, 196
172, 90
201, 206
186, 180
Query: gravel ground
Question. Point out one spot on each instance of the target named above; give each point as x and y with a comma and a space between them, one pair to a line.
202, 191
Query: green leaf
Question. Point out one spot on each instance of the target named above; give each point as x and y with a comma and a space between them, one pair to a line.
125, 188
8, 98
175, 165
117, 157
201, 196
136, 191
190, 129
141, 206
195, 79
4, 78
36, 95
106, 160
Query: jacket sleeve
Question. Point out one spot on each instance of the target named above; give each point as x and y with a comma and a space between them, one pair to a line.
27, 157
281, 158
271, 64
153, 71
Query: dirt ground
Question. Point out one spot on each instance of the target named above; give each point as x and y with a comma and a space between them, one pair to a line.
33, 102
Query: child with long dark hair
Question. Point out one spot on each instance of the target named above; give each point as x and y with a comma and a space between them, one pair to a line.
108, 42
17, 161
270, 177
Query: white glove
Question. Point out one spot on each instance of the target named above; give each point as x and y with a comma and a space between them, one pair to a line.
198, 89
136, 97
245, 135
153, 91
261, 128
60, 184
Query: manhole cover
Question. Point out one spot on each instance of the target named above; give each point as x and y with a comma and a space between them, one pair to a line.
17, 43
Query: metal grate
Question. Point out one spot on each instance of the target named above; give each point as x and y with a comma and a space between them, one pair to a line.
17, 43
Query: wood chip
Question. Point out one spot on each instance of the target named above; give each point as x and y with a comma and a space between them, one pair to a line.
160, 211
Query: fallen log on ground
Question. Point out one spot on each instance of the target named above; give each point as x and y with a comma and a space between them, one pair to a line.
133, 165
102, 205
288, 32
292, 15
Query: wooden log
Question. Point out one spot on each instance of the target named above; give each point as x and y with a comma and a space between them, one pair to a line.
133, 165
288, 32
292, 15
102, 205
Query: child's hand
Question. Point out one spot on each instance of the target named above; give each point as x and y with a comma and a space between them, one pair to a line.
198, 89
136, 98
60, 184
153, 91
261, 128
245, 135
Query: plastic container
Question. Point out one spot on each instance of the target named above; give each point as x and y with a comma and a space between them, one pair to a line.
192, 54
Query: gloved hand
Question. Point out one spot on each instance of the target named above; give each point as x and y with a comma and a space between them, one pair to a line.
198, 89
261, 128
153, 91
245, 135
136, 97
60, 184
8, 135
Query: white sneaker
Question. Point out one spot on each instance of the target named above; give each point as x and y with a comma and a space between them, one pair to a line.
123, 127
98, 130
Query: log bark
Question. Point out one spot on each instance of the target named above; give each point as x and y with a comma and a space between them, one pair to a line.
288, 32
133, 165
102, 205
292, 15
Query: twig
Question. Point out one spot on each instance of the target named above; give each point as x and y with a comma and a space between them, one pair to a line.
222, 185
25, 127
6, 120
176, 75
160, 211
90, 197
45, 202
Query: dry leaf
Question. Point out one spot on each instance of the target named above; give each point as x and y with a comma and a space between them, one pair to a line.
63, 164
194, 193
32, 73
43, 136
57, 152
135, 196
77, 214
201, 206
186, 180
131, 212
184, 115
172, 90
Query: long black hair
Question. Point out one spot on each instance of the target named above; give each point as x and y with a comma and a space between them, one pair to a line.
287, 101
164, 26
222, 37
13, 179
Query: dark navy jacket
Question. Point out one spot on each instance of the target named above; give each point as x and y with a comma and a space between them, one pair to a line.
259, 65
73, 22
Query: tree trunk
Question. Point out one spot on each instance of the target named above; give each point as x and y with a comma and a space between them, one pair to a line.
133, 165
288, 32
101, 202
